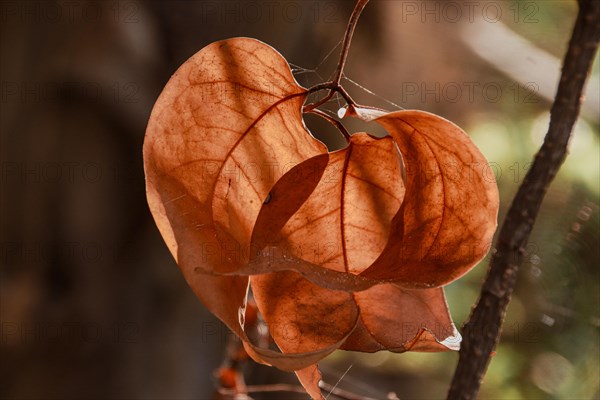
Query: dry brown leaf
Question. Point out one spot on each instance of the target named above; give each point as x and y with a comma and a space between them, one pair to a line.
222, 132
224, 129
450, 209
303, 316
399, 320
329, 217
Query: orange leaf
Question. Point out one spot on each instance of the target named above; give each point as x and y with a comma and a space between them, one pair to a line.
224, 129
399, 320
305, 317
329, 218
450, 209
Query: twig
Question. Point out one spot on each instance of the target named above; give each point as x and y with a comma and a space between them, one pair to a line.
276, 387
360, 6
334, 85
341, 393
282, 387
482, 330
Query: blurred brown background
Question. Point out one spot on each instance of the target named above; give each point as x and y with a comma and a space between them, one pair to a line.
92, 305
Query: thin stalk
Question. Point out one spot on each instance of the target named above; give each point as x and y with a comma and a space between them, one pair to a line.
360, 6
334, 84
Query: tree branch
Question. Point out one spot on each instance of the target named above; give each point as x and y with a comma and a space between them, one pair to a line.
482, 330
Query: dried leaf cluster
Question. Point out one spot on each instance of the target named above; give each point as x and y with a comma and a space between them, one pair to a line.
341, 250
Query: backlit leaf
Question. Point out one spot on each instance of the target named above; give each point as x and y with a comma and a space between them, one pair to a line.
226, 126
450, 209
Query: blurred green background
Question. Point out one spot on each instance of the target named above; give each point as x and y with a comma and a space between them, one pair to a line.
92, 304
